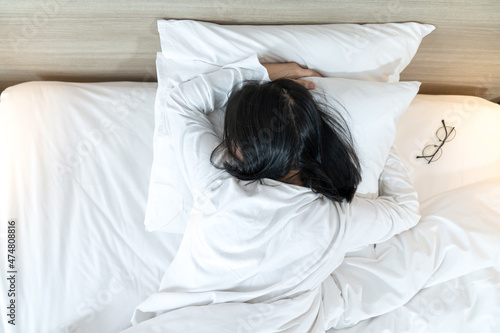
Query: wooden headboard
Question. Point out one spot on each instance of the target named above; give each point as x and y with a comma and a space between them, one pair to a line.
114, 40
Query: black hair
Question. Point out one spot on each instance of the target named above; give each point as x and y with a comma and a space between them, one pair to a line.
273, 128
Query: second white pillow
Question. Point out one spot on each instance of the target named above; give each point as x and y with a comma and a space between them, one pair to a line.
371, 52
372, 110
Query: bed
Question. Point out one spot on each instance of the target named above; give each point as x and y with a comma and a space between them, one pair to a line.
88, 244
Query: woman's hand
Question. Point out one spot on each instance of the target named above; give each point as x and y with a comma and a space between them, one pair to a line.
291, 70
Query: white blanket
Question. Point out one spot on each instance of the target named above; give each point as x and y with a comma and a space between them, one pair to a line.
458, 235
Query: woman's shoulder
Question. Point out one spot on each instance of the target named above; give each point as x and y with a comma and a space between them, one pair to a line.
231, 193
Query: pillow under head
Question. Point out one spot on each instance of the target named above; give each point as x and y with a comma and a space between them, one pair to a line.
349, 52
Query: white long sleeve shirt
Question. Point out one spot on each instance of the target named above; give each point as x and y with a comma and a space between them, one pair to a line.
252, 242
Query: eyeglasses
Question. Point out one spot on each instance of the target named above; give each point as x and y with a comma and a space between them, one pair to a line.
433, 152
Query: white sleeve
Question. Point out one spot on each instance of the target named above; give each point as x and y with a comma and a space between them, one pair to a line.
370, 221
186, 121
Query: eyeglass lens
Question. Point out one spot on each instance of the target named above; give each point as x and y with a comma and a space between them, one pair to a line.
432, 153
446, 132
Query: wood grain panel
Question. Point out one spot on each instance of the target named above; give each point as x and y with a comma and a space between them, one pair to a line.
113, 40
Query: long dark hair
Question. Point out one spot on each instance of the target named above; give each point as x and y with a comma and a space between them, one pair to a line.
273, 128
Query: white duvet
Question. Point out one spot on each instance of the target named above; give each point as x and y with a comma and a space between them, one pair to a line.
458, 236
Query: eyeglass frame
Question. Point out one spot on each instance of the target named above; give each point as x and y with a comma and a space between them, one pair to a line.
438, 147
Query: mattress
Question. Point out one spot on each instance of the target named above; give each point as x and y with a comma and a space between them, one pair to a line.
74, 180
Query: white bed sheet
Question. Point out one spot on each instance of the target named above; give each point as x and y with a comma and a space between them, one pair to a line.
76, 183
76, 180
470, 303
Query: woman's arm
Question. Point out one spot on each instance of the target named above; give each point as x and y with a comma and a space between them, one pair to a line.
370, 221
187, 105
293, 71
184, 112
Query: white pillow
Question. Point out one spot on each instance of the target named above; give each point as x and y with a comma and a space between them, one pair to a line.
374, 109
372, 52
472, 156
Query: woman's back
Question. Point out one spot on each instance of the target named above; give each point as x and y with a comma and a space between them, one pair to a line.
247, 236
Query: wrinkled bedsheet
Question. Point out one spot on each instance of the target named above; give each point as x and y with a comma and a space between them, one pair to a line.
408, 282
